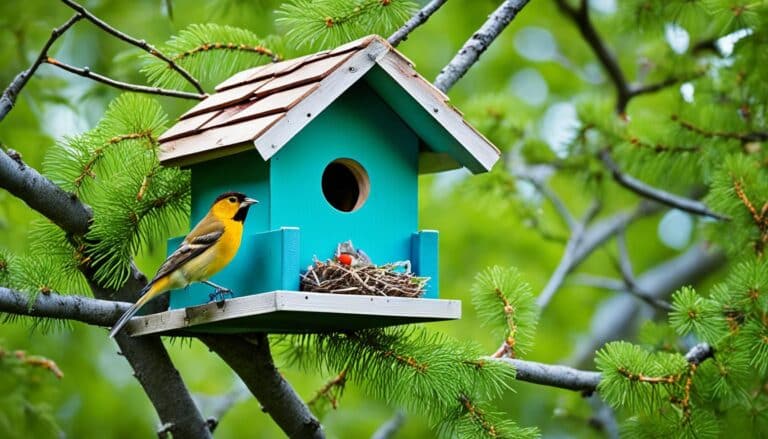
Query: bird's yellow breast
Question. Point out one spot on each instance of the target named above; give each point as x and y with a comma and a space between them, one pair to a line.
218, 256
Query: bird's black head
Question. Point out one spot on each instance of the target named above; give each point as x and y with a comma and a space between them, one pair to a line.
233, 205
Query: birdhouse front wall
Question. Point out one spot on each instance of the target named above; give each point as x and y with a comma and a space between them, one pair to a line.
359, 130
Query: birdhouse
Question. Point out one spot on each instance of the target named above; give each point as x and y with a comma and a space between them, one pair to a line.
332, 145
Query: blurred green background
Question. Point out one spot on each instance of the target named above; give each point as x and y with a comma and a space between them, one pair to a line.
534, 73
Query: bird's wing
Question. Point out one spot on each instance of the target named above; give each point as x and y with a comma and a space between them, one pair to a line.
191, 247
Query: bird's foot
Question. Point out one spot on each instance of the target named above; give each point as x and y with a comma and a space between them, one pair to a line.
220, 295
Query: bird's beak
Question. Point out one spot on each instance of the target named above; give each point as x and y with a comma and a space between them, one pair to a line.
248, 202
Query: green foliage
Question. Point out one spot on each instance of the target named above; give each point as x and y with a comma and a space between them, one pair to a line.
505, 303
25, 386
211, 53
692, 313
114, 169
321, 24
428, 373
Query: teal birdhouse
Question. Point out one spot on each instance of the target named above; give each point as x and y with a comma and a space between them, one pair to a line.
332, 145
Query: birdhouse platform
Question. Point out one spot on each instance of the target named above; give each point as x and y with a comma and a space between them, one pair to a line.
296, 312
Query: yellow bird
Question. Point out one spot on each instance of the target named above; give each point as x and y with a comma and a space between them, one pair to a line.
208, 248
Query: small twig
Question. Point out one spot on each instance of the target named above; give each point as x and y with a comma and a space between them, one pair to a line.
625, 263
556, 202
331, 391
87, 73
390, 428
478, 43
618, 285
757, 136
658, 195
135, 42
417, 20
14, 88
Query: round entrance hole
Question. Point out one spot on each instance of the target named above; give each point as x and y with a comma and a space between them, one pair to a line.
346, 185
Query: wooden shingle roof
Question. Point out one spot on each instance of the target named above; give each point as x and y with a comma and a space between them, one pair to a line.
267, 105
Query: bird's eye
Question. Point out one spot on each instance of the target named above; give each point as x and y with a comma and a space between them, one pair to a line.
232, 200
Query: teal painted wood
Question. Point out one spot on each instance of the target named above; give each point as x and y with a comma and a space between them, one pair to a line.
245, 172
266, 261
294, 223
424, 260
361, 127
418, 119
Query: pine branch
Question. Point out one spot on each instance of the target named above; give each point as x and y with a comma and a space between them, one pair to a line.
63, 208
757, 136
658, 282
14, 88
417, 20
252, 361
87, 73
652, 193
469, 54
141, 44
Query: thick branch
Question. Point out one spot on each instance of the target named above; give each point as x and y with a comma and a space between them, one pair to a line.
42, 195
87, 73
417, 20
253, 363
14, 88
568, 378
70, 307
652, 193
563, 377
478, 43
135, 42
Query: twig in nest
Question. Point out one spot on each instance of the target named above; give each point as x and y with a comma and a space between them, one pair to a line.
370, 280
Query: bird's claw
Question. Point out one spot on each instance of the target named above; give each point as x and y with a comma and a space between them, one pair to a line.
220, 295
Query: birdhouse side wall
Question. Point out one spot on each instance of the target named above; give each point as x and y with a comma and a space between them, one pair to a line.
360, 127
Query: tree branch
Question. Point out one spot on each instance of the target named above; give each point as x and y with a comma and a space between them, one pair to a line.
658, 283
87, 73
563, 377
56, 306
14, 88
652, 193
150, 49
580, 17
252, 361
583, 241
478, 43
390, 428
417, 20
568, 378
556, 202
42, 195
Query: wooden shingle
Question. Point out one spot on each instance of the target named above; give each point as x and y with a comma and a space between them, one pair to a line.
267, 105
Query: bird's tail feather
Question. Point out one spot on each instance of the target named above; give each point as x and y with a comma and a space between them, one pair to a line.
146, 296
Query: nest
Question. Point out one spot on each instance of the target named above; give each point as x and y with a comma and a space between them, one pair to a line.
387, 280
